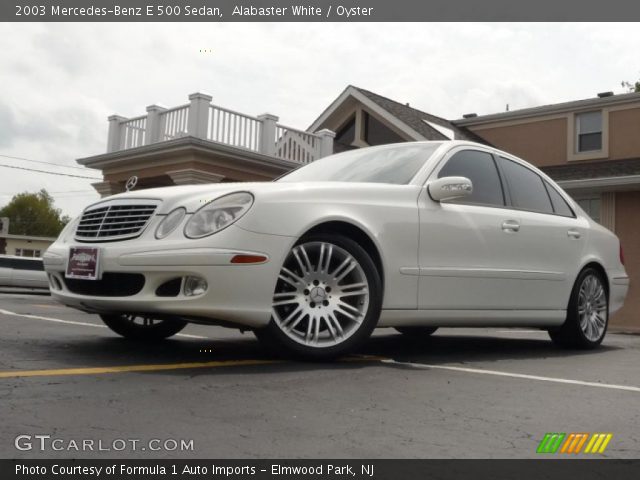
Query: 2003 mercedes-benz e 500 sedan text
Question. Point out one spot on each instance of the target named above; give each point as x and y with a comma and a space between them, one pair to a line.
412, 236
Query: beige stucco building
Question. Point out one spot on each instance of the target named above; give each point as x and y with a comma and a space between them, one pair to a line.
24, 245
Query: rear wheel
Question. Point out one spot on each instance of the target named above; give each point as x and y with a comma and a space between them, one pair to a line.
587, 313
140, 327
417, 331
326, 301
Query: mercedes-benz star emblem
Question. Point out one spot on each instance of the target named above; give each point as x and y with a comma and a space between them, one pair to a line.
131, 183
318, 294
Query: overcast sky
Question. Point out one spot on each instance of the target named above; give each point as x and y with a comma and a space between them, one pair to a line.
59, 82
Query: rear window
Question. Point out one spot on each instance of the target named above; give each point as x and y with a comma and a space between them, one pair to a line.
24, 264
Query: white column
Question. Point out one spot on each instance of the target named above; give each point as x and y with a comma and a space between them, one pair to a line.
113, 138
199, 114
326, 142
608, 210
153, 134
193, 176
268, 133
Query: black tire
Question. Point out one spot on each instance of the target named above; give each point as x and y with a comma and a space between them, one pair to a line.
416, 332
282, 343
126, 326
572, 333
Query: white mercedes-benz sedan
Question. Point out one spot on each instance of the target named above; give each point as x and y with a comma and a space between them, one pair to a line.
413, 236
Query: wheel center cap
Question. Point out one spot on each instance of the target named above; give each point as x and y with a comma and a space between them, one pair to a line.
318, 295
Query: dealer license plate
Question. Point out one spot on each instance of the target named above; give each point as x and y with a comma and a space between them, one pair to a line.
83, 263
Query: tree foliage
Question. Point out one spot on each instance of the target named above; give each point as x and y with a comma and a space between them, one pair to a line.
34, 214
632, 87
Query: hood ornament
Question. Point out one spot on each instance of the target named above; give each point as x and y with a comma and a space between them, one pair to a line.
131, 183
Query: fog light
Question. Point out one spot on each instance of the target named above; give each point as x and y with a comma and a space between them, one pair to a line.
54, 283
194, 286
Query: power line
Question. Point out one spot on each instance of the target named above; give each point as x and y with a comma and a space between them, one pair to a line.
49, 172
42, 161
50, 193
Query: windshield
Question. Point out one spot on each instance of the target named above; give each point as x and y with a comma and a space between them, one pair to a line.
396, 164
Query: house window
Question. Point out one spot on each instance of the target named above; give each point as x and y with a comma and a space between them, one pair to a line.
588, 131
27, 252
591, 206
376, 133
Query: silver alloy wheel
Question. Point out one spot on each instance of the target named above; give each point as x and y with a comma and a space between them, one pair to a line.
322, 295
141, 321
592, 307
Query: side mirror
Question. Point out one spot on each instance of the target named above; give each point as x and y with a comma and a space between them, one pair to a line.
449, 188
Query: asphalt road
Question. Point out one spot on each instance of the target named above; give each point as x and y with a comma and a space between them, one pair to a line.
486, 393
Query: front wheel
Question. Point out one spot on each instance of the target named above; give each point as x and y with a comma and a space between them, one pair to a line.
139, 327
587, 313
326, 301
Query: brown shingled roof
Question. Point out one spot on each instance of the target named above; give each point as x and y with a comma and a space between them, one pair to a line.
586, 170
415, 119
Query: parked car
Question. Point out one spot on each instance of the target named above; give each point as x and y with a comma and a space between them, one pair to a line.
23, 272
413, 236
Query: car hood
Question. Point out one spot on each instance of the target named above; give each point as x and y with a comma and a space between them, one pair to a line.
192, 197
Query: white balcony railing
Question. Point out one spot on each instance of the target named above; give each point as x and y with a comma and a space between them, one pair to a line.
201, 119
297, 145
174, 122
132, 132
233, 128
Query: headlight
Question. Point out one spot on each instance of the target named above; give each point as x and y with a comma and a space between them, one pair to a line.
219, 214
170, 222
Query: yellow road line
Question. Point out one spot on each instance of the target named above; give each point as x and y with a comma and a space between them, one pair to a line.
156, 368
131, 368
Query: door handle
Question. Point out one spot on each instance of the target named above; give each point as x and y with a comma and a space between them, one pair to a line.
574, 234
510, 226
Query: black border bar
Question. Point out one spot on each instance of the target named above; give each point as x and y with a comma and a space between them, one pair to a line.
547, 468
317, 10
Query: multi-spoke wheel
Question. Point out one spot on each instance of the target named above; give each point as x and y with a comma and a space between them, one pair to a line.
327, 298
141, 327
587, 313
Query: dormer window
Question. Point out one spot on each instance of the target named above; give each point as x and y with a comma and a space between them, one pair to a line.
588, 131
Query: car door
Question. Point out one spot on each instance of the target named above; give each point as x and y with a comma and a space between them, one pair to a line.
29, 273
470, 248
552, 238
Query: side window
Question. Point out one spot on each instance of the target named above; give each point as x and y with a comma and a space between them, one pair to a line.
560, 205
480, 168
526, 187
5, 263
34, 265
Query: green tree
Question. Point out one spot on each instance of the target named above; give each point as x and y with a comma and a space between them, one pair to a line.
632, 87
34, 214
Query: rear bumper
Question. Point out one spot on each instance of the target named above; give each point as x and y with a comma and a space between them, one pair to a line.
619, 287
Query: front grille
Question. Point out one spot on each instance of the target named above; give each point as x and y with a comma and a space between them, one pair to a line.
111, 285
116, 220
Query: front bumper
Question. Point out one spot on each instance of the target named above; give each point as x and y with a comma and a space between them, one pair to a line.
239, 294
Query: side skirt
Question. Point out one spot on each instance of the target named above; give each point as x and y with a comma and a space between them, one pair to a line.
472, 318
